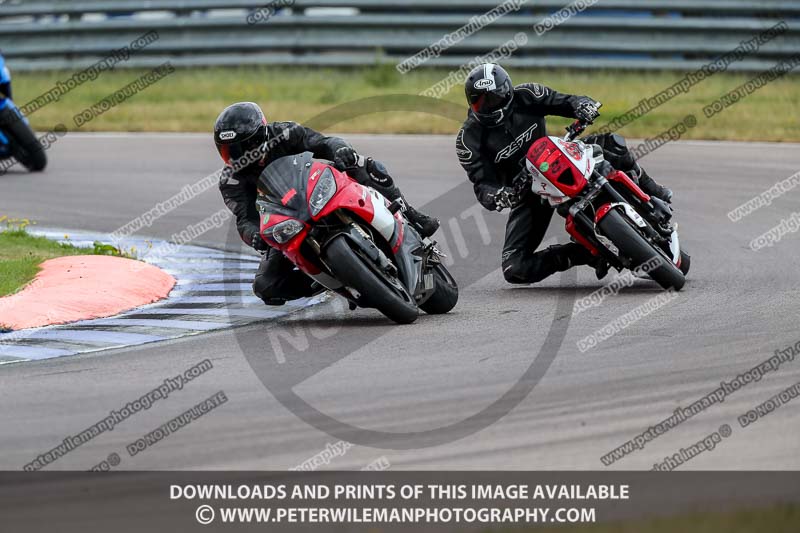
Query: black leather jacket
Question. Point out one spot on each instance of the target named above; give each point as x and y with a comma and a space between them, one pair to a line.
239, 189
491, 155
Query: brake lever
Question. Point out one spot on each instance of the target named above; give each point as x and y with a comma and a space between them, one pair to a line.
575, 129
579, 126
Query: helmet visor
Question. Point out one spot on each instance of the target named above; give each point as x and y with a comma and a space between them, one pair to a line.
489, 102
244, 152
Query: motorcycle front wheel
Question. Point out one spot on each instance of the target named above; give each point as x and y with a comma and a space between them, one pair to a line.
633, 245
377, 289
22, 142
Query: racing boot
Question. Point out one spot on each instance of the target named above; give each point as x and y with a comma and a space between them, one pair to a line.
425, 225
573, 254
601, 267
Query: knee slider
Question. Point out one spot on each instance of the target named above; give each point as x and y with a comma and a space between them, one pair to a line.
379, 173
617, 142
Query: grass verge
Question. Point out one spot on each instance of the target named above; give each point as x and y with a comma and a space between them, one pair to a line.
21, 254
190, 99
782, 518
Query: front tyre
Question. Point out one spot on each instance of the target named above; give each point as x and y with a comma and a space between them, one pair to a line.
378, 289
633, 245
445, 293
686, 261
22, 142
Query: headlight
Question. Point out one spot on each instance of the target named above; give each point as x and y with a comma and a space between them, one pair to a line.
323, 192
287, 229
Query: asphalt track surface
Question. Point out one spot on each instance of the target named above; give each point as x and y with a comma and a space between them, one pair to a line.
737, 308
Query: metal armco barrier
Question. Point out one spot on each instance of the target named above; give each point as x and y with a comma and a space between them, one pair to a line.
633, 34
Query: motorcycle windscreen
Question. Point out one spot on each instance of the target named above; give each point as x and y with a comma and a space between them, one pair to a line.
282, 186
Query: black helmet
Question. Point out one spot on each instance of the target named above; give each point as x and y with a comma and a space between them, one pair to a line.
240, 129
489, 93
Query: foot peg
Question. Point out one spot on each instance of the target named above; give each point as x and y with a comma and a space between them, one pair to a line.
397, 205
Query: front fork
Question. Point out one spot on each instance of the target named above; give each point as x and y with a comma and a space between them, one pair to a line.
583, 228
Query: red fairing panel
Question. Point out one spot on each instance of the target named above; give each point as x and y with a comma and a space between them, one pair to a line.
621, 177
602, 212
580, 239
349, 194
290, 249
399, 230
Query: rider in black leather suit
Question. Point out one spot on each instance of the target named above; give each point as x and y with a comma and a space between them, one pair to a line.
502, 123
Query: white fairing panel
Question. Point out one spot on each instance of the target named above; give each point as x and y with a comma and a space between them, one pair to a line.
632, 214
543, 187
585, 162
675, 246
384, 220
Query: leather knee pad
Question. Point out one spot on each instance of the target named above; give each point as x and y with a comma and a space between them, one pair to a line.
615, 150
262, 287
617, 153
512, 267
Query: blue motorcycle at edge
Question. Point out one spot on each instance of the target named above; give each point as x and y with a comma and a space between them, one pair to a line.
17, 139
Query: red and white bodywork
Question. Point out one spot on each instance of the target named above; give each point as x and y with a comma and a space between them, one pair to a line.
562, 170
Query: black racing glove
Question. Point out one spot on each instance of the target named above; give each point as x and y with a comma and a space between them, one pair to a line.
345, 158
505, 197
586, 109
258, 243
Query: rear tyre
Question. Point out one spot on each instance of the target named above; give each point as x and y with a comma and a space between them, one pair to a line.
445, 294
633, 245
23, 144
377, 289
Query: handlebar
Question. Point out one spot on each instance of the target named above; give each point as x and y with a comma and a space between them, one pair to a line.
578, 127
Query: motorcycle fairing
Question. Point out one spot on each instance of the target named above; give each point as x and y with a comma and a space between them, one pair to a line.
285, 189
559, 168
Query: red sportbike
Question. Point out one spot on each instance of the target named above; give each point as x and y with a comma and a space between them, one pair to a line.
351, 240
605, 209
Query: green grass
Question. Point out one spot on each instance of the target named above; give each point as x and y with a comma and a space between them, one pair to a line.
782, 518
21, 254
190, 99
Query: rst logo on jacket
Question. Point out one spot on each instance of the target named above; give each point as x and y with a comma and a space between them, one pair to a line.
520, 142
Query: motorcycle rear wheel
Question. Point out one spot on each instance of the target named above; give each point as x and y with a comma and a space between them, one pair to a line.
387, 296
633, 245
445, 295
